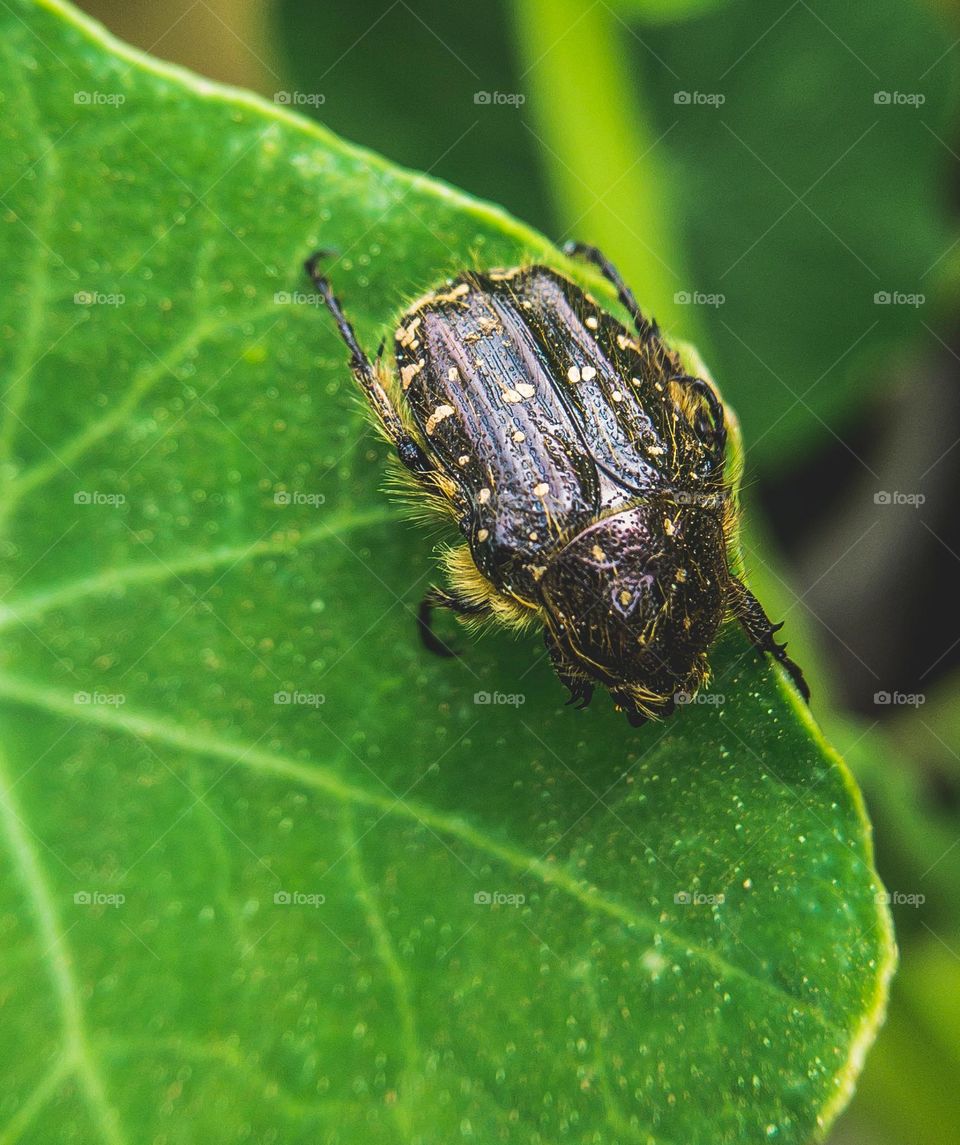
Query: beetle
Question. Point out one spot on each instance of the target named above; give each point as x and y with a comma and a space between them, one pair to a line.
585, 471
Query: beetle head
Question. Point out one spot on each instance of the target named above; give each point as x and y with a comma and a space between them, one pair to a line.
635, 600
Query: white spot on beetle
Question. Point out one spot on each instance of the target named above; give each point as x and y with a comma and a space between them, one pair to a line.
407, 337
408, 373
453, 374
519, 436
541, 489
437, 416
598, 553
450, 295
588, 373
592, 321
573, 374
482, 534
463, 459
512, 396
525, 390
483, 496
656, 450
617, 396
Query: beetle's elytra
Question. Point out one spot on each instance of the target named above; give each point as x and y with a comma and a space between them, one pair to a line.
585, 470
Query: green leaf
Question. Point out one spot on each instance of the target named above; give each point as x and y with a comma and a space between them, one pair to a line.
236, 919
793, 201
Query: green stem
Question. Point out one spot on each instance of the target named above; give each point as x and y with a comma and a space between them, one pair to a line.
605, 156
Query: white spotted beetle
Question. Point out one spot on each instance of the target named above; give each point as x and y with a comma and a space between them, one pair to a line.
584, 469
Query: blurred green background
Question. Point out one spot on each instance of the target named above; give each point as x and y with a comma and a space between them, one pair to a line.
778, 180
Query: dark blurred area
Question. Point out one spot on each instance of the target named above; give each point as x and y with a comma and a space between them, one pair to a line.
778, 180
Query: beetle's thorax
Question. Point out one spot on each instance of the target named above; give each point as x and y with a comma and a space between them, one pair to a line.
639, 594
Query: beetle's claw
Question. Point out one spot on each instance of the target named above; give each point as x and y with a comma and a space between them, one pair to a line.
580, 696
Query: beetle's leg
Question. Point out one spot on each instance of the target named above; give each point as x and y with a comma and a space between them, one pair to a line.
438, 598
709, 395
755, 622
646, 328
407, 449
577, 682
635, 718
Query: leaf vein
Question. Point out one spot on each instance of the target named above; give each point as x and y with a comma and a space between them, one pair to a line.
323, 778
